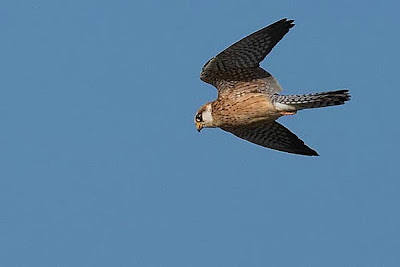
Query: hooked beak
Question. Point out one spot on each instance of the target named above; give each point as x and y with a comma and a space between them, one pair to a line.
199, 126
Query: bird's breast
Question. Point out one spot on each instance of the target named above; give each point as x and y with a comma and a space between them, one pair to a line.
244, 110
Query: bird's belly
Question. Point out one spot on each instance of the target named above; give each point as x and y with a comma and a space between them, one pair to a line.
249, 109
255, 115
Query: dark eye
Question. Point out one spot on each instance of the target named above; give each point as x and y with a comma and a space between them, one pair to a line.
199, 118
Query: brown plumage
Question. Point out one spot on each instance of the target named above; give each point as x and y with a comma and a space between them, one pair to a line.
248, 102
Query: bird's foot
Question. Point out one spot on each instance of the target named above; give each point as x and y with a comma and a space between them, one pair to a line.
283, 113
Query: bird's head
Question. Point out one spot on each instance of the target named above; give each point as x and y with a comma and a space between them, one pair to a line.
203, 118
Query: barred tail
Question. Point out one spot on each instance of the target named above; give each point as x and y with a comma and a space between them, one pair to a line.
316, 100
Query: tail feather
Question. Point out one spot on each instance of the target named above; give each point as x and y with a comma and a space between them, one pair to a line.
315, 100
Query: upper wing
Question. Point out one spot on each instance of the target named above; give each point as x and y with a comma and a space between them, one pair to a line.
240, 61
273, 135
267, 84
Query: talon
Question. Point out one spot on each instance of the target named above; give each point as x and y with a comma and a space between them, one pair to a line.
288, 112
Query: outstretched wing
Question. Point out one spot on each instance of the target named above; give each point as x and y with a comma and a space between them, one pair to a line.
240, 62
273, 135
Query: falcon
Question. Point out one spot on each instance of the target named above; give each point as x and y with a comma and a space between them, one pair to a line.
249, 102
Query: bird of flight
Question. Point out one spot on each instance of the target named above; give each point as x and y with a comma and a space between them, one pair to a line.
249, 102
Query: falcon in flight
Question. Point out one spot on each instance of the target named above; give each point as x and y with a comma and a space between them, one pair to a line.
249, 102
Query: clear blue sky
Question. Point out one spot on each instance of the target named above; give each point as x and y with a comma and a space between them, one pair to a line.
101, 164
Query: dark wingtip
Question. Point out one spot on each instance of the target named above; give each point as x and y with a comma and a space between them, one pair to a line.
305, 151
309, 152
288, 22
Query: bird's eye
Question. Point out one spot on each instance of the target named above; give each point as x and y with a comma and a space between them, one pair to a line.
199, 118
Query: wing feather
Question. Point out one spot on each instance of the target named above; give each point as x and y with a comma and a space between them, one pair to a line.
240, 61
273, 135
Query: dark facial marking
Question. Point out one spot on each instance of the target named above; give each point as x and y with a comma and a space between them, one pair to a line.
199, 117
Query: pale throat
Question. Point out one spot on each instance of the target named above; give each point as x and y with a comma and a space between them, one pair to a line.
207, 117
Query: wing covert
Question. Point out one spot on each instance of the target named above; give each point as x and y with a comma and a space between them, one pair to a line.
240, 61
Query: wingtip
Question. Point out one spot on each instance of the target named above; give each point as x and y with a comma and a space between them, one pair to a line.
310, 152
289, 22
306, 150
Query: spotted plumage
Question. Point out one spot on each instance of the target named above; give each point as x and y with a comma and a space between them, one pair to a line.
248, 100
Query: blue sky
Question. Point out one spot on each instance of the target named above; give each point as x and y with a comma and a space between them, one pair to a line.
101, 164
